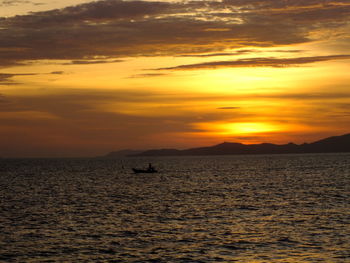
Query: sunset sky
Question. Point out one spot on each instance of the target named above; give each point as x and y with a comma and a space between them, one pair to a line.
82, 78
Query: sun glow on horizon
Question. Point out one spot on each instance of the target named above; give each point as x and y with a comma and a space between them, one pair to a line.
249, 127
238, 128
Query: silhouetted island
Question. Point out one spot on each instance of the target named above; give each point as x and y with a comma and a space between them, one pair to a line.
328, 145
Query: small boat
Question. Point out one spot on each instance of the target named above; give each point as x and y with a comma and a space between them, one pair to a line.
148, 171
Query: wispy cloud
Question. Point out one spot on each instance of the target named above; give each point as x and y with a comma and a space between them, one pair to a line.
57, 72
6, 78
228, 108
238, 52
87, 62
148, 75
258, 62
13, 2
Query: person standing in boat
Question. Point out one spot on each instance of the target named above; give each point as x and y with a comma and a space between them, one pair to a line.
150, 167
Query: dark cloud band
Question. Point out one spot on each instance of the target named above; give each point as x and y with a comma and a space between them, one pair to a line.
115, 28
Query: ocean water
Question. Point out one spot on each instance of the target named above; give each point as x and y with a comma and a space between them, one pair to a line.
268, 208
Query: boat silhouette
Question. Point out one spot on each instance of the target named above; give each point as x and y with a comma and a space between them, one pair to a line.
150, 169
138, 171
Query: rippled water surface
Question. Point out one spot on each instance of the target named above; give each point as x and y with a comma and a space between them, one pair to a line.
271, 208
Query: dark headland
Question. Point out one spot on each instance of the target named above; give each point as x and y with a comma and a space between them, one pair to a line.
329, 145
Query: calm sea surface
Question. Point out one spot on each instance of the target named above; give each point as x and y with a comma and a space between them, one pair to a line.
270, 208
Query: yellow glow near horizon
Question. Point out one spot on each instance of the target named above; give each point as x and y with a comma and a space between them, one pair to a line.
238, 128
249, 127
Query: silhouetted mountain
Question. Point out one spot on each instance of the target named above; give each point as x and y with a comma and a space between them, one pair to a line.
331, 144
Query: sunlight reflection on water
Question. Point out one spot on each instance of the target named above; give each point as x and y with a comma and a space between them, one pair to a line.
281, 208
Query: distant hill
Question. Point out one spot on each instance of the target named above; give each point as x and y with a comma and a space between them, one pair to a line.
328, 145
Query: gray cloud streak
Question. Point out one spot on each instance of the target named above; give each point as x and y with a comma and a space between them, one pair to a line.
228, 108
237, 53
13, 2
258, 62
5, 78
87, 62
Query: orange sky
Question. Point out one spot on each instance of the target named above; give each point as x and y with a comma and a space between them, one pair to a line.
82, 78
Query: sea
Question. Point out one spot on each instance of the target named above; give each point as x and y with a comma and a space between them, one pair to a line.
246, 208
